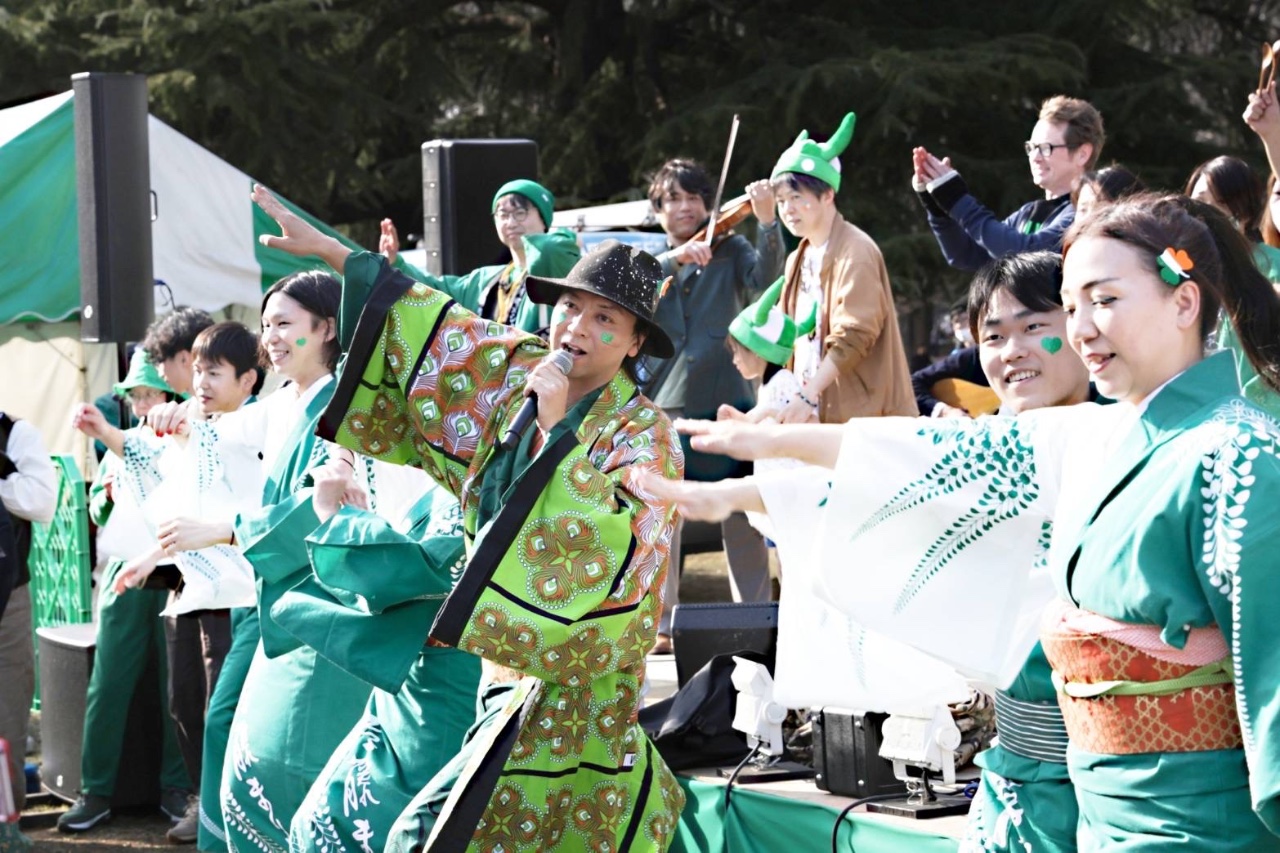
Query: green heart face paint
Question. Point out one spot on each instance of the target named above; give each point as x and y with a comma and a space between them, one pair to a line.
1051, 345
558, 315
607, 337
302, 342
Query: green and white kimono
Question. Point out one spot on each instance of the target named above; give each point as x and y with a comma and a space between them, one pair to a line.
295, 706
566, 559
368, 607
550, 255
1165, 515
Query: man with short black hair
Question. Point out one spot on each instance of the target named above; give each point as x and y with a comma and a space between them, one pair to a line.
168, 344
712, 282
28, 492
1065, 143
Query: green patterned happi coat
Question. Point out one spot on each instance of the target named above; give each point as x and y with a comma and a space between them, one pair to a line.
564, 573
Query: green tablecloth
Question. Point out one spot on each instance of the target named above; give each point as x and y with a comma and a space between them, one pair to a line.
761, 822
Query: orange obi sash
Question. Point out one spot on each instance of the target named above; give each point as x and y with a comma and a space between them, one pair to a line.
1124, 691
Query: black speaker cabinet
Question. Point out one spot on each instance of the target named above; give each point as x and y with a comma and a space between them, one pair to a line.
459, 178
846, 754
66, 660
699, 632
113, 186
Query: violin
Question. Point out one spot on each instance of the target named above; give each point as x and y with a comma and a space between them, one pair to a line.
732, 213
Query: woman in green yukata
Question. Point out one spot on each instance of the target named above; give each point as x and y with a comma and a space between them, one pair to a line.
1163, 641
375, 589
561, 591
279, 709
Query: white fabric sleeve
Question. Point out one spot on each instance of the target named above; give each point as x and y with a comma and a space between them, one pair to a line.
31, 492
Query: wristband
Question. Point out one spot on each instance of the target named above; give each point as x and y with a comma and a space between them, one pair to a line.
813, 403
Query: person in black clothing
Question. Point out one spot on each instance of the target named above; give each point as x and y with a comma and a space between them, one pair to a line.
1065, 142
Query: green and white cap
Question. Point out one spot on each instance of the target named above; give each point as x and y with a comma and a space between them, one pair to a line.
142, 373
768, 331
818, 159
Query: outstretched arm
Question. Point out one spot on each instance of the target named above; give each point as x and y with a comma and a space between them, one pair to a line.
816, 444
297, 236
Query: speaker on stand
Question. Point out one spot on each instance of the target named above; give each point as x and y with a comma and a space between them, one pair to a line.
66, 661
113, 187
459, 178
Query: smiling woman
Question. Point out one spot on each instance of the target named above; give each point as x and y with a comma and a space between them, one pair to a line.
1164, 641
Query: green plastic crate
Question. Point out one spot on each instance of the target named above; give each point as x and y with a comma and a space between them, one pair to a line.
60, 570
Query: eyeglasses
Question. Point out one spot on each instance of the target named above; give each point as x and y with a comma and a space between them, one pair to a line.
515, 214
1044, 149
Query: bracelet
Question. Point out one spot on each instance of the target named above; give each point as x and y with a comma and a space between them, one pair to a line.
813, 403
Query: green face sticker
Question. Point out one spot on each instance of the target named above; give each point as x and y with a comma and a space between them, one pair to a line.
302, 342
1051, 345
607, 337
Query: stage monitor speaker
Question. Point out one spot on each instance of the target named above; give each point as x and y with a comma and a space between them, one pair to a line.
113, 185
66, 661
459, 178
699, 632
846, 754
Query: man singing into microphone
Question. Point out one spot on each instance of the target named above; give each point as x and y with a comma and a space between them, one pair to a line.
561, 592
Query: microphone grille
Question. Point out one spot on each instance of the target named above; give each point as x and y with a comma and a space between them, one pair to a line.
562, 360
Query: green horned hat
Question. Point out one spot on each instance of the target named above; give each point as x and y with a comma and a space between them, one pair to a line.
818, 159
767, 330
141, 373
541, 197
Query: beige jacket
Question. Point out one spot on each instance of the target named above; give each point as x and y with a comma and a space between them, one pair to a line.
859, 328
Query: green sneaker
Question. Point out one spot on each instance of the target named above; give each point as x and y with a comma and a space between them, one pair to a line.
89, 811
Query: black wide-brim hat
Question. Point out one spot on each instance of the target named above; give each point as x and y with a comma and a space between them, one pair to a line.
624, 275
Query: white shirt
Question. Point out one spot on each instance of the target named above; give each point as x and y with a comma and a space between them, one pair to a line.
31, 492
808, 348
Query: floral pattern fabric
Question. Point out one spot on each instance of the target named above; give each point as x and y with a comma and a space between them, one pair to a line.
563, 582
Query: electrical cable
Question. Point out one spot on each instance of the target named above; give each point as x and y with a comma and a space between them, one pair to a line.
876, 798
728, 789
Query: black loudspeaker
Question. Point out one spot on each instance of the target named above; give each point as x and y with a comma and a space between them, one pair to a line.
459, 178
846, 754
699, 632
66, 660
113, 184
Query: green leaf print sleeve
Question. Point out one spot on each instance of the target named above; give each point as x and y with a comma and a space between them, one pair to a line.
1239, 490
940, 507
564, 584
426, 382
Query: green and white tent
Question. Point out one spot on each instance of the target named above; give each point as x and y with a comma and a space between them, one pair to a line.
204, 244
204, 238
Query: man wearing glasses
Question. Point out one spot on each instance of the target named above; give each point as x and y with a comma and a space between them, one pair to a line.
1064, 144
522, 211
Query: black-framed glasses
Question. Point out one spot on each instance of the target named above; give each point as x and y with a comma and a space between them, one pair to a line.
514, 214
1044, 149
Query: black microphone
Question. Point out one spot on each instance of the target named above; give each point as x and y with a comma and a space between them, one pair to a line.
529, 408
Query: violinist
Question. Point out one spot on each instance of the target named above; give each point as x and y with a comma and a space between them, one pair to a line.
712, 282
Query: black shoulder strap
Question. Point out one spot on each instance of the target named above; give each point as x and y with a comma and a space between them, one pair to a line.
6, 427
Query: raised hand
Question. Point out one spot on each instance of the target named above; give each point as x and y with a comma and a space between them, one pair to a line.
763, 204
389, 241
297, 235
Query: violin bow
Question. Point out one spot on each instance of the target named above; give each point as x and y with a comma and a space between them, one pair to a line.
724, 174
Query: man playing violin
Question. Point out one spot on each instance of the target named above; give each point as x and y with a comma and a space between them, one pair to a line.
712, 282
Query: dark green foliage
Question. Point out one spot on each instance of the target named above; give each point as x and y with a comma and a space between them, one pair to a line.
330, 100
